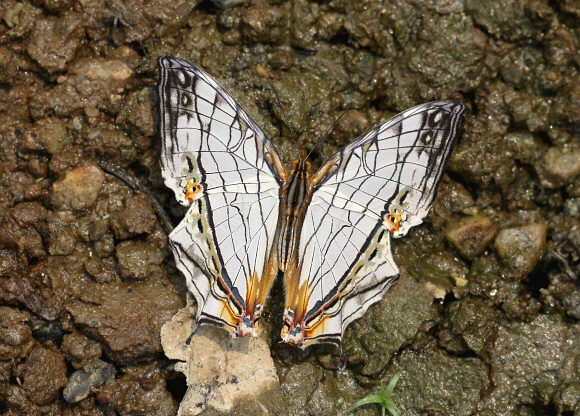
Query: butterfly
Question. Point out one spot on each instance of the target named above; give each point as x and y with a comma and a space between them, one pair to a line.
250, 220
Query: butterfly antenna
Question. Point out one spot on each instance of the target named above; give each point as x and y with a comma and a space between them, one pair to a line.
285, 118
330, 129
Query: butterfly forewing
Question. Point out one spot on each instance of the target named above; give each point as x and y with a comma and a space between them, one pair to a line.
383, 183
220, 164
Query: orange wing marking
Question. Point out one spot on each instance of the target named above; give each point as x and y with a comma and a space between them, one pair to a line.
398, 211
192, 190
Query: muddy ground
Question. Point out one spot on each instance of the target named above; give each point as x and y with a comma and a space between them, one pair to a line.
485, 318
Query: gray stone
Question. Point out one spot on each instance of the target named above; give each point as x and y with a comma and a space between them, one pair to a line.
471, 235
520, 247
81, 382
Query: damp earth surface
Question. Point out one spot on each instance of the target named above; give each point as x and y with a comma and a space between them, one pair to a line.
485, 317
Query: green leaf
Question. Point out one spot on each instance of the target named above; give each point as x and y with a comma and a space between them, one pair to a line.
383, 398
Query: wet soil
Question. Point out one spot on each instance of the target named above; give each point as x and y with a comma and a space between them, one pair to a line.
485, 318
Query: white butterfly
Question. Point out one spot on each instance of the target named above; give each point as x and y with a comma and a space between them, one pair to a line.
250, 219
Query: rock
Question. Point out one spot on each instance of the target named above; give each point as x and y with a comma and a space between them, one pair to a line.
15, 398
304, 27
308, 389
567, 400
126, 318
572, 304
57, 6
22, 186
138, 259
393, 322
474, 321
8, 261
30, 288
226, 4
78, 189
61, 237
511, 20
112, 145
64, 161
138, 113
454, 385
558, 168
43, 374
280, 60
8, 65
29, 213
263, 24
44, 330
15, 334
141, 390
352, 124
471, 235
54, 41
79, 350
134, 218
524, 354
529, 109
91, 83
25, 240
220, 371
103, 270
47, 135
520, 247
82, 381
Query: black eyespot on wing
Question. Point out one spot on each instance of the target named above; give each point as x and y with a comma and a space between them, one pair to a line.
185, 99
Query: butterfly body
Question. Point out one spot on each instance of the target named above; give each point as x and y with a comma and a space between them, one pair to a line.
249, 219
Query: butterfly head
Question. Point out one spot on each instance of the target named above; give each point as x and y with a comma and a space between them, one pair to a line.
302, 163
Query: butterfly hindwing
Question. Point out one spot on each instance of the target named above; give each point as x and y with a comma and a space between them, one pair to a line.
383, 183
220, 164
